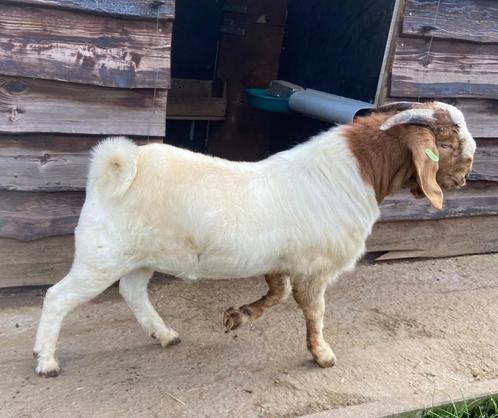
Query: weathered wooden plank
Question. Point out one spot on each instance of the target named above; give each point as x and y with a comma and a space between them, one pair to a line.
451, 69
387, 61
46, 162
188, 87
240, 12
477, 198
84, 48
486, 161
435, 238
481, 116
192, 108
190, 99
151, 9
472, 20
50, 106
28, 216
35, 263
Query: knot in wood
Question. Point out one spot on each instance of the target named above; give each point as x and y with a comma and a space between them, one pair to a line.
157, 3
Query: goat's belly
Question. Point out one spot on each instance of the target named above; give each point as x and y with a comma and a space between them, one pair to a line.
212, 269
192, 266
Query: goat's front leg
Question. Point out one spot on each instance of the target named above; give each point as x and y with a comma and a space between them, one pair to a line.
79, 286
278, 289
133, 288
309, 294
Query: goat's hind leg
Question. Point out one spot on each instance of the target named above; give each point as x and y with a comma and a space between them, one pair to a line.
133, 288
79, 286
278, 289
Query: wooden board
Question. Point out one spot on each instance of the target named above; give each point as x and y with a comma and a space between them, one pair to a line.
249, 60
486, 161
190, 99
35, 263
392, 38
46, 162
123, 8
239, 12
452, 69
28, 216
435, 238
480, 115
477, 198
50, 106
200, 108
84, 48
472, 20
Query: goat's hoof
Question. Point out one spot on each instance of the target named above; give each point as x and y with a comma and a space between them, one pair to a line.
49, 373
235, 318
174, 341
48, 368
324, 357
324, 364
167, 339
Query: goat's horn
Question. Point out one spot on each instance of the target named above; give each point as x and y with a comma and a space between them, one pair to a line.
423, 117
396, 106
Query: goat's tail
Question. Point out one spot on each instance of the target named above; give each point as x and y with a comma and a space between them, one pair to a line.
113, 166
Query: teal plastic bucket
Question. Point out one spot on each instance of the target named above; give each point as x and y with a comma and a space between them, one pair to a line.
260, 99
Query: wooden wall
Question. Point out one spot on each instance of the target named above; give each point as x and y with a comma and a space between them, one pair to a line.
251, 35
71, 73
448, 50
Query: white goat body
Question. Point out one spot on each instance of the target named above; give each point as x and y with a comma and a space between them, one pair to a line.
304, 211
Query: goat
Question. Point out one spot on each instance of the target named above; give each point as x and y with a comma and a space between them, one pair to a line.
299, 217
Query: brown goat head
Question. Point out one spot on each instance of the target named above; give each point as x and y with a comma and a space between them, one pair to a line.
442, 153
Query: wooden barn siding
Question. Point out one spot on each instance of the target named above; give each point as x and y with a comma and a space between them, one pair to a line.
53, 107
451, 69
34, 263
28, 216
37, 162
470, 20
434, 238
71, 73
143, 9
462, 67
84, 48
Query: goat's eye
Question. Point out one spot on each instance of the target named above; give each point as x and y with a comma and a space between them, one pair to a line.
445, 146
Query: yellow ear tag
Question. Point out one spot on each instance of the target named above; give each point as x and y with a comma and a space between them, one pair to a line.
431, 155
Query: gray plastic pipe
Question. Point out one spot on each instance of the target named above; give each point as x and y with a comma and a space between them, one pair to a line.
327, 107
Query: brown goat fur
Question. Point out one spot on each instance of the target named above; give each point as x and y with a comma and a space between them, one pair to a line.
393, 159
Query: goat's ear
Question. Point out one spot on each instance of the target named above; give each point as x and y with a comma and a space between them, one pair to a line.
422, 145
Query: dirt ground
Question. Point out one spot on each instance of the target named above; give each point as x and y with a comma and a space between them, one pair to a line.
397, 329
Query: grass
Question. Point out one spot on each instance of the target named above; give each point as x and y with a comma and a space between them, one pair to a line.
481, 408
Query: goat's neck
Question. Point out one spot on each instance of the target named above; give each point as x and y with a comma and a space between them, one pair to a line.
383, 159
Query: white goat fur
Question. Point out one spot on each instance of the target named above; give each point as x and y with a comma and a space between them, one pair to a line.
305, 212
195, 216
